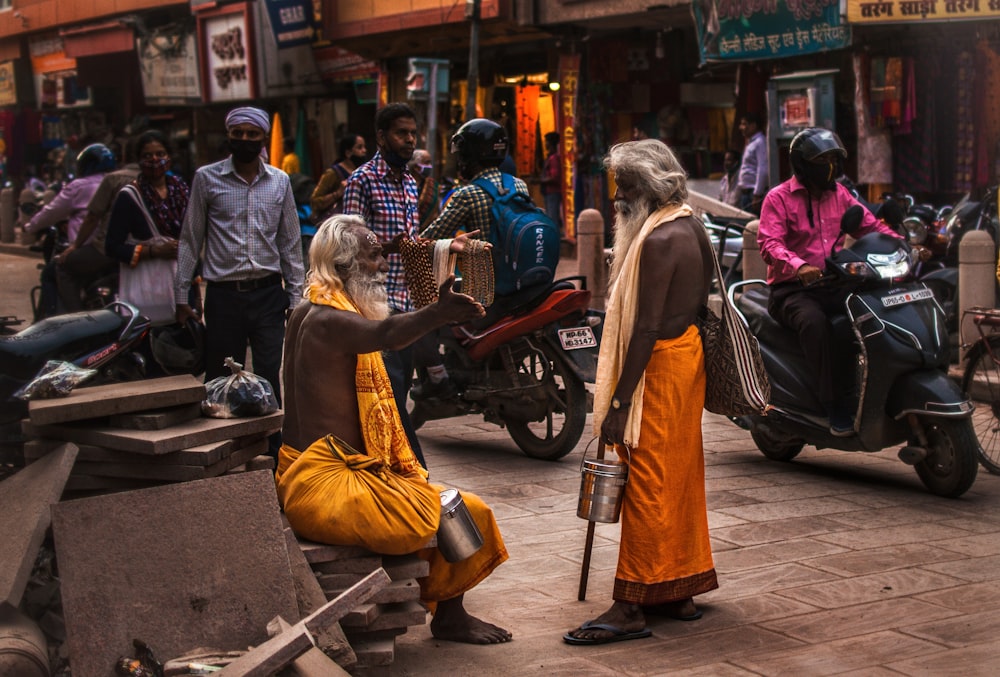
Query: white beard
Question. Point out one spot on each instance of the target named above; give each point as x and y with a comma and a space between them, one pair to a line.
629, 217
369, 295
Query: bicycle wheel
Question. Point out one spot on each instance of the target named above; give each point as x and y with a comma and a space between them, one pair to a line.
981, 383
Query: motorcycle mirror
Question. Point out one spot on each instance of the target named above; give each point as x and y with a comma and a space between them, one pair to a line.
851, 220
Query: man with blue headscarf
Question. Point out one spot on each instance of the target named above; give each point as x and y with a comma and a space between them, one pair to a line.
242, 213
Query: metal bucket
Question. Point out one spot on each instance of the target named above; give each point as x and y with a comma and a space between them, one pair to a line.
23, 650
458, 536
602, 488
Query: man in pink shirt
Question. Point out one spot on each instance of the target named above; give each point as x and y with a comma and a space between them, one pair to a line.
799, 228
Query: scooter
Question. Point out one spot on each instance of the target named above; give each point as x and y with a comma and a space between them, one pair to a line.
527, 371
893, 350
106, 340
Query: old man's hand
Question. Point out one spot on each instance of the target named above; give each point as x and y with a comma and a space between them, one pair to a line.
457, 307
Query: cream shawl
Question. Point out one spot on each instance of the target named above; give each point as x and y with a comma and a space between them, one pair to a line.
619, 322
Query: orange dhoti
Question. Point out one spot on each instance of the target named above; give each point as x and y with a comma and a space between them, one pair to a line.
665, 554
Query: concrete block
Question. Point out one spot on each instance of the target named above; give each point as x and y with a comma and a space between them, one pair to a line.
25, 499
187, 565
117, 398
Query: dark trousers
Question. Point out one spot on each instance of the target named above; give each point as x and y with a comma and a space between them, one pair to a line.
805, 311
48, 297
235, 319
79, 268
399, 366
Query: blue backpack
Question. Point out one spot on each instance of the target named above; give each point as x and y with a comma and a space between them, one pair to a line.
525, 240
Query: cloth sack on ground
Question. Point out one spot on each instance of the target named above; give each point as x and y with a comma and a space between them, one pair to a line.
332, 493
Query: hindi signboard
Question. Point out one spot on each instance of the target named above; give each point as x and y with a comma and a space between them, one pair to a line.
729, 30
898, 11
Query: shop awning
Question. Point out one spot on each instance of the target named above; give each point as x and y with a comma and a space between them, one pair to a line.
97, 39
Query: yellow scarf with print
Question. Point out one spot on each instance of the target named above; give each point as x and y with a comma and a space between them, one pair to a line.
385, 439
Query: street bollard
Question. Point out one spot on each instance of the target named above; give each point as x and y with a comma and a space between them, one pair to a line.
590, 259
977, 264
8, 214
754, 267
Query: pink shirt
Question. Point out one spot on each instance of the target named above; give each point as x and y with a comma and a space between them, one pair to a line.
786, 239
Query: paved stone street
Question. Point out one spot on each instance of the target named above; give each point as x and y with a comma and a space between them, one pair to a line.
835, 563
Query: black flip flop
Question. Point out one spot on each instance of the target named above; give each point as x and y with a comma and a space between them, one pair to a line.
619, 635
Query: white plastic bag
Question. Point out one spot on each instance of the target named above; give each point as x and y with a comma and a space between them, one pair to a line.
55, 379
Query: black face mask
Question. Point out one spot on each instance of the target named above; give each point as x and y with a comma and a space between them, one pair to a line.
393, 158
821, 176
245, 150
358, 160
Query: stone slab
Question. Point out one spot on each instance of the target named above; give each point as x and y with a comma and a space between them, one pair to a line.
157, 419
117, 398
25, 499
154, 442
204, 454
171, 473
195, 564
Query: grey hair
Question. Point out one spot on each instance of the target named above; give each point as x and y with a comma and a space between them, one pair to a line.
333, 253
652, 168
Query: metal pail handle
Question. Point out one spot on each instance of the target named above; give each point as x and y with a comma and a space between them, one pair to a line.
628, 454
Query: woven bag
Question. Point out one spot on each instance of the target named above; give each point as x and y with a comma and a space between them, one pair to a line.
423, 271
736, 382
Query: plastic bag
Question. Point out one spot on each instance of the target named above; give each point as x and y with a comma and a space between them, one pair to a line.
239, 395
55, 379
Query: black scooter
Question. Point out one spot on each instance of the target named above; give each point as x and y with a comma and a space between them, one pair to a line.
893, 349
106, 340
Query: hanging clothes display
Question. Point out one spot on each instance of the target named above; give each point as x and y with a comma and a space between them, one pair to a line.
914, 154
964, 143
987, 106
874, 145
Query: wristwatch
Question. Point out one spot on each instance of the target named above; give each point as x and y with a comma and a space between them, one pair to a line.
618, 404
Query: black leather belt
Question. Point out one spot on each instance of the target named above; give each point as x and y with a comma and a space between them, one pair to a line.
248, 285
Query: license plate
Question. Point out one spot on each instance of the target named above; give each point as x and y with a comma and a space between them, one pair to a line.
908, 297
577, 338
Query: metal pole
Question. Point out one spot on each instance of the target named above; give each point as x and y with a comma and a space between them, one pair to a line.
432, 116
473, 79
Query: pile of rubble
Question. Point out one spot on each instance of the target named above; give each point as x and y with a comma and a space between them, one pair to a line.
136, 518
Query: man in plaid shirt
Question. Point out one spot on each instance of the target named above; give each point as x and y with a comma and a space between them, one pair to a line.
385, 195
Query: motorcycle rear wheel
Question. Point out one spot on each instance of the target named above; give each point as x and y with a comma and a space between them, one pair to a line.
981, 383
774, 447
560, 429
951, 464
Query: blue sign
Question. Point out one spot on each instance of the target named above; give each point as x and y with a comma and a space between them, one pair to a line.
292, 22
731, 30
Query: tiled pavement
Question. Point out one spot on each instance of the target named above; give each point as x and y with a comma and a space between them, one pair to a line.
835, 563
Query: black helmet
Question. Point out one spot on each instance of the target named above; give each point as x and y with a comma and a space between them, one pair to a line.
481, 143
95, 158
808, 145
179, 348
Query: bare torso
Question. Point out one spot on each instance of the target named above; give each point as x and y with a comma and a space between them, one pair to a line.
320, 394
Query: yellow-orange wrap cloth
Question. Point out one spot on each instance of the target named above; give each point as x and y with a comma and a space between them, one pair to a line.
334, 494
665, 554
330, 496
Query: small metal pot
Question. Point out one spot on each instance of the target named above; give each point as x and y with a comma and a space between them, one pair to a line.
458, 537
602, 488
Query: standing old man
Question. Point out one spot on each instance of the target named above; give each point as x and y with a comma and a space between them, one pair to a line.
339, 394
242, 212
650, 394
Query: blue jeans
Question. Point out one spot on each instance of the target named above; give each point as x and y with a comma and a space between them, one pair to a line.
553, 207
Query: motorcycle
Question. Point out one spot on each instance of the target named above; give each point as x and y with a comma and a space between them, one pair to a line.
527, 371
726, 235
970, 215
892, 345
96, 294
106, 340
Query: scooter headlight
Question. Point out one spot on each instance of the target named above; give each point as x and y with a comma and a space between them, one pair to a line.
890, 266
857, 269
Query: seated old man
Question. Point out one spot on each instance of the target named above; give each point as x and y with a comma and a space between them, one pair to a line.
346, 473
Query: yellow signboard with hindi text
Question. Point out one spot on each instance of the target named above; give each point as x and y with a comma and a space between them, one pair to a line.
898, 11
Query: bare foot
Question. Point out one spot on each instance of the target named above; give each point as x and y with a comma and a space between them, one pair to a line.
453, 623
625, 617
681, 610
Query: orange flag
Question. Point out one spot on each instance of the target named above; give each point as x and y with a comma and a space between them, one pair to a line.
277, 153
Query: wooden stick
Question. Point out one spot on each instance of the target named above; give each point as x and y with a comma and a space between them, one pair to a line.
588, 546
